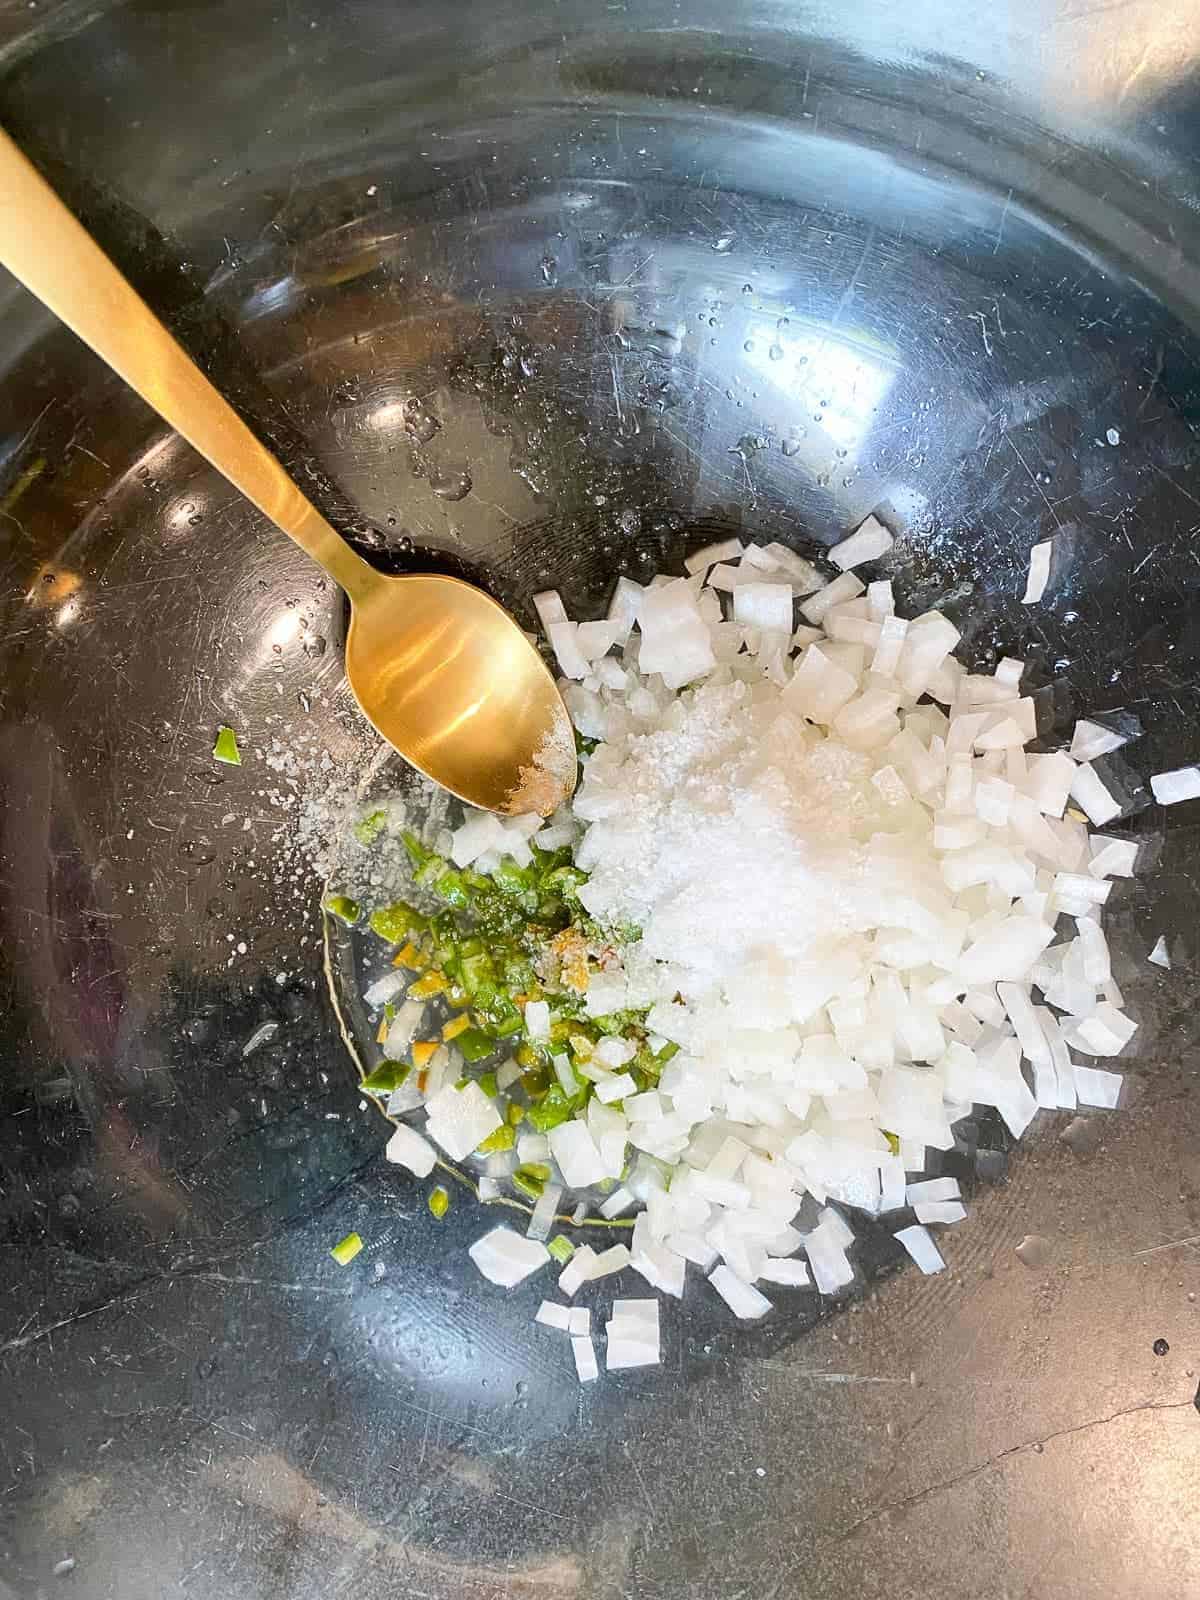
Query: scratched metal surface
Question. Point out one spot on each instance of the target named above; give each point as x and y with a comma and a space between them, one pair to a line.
650, 270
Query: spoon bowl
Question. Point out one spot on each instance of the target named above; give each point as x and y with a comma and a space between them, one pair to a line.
444, 674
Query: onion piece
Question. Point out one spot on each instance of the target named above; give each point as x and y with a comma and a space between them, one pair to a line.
1169, 788
633, 1335
930, 1189
1092, 739
563, 637
549, 607
847, 587
586, 1366
790, 1274
408, 1148
742, 1298
504, 1257
620, 1200
614, 1259
710, 554
1089, 789
541, 1219
551, 1315
577, 1154
867, 543
940, 1211
385, 989
576, 1271
461, 1119
918, 1241
764, 605
624, 606
1095, 1087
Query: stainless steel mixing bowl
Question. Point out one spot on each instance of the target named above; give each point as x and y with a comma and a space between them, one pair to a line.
539, 292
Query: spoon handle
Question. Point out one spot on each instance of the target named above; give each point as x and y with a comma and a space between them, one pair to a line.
54, 256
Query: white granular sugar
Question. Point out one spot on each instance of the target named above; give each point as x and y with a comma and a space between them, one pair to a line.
738, 839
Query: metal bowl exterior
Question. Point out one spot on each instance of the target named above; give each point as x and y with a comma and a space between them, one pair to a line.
534, 294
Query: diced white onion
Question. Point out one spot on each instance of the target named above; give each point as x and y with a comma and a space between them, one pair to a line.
549, 607
869, 541
504, 1257
1088, 788
633, 1335
537, 1019
791, 1274
407, 1148
384, 989
743, 1299
586, 1366
1169, 788
940, 1211
614, 1259
918, 1241
620, 1200
1095, 1087
578, 1157
545, 1208
1092, 739
930, 1189
576, 1271
708, 556
564, 641
461, 1119
552, 1315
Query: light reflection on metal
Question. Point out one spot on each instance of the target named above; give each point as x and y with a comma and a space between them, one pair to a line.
834, 382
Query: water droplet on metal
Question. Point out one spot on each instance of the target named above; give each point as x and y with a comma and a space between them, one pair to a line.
315, 644
419, 423
725, 243
549, 269
1033, 1251
776, 352
452, 485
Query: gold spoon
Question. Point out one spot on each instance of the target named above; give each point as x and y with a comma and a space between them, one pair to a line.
437, 667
